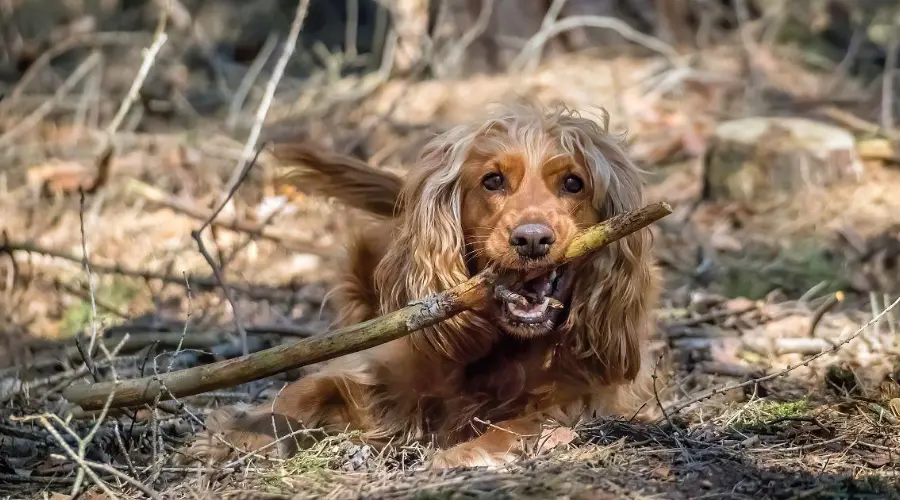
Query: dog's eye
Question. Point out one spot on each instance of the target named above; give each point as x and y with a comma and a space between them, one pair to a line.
573, 184
492, 182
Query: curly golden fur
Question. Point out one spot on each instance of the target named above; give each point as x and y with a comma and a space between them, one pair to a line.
516, 367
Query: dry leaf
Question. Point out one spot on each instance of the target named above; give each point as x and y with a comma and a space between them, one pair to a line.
559, 436
877, 459
694, 142
894, 406
595, 494
877, 149
721, 239
59, 176
661, 472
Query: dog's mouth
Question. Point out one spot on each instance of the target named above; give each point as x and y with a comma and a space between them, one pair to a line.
533, 307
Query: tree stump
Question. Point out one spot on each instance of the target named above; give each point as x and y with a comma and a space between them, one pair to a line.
765, 157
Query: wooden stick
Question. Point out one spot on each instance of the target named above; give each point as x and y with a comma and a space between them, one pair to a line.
429, 311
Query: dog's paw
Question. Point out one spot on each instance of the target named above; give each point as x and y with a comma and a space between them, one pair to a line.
216, 449
465, 455
206, 449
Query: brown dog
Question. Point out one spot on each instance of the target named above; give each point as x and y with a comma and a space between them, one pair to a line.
511, 191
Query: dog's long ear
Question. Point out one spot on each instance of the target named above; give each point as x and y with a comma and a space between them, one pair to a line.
353, 182
612, 307
427, 254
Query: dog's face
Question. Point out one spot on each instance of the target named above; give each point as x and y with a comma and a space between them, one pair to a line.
520, 209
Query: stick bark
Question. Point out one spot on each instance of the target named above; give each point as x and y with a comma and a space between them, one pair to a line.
421, 314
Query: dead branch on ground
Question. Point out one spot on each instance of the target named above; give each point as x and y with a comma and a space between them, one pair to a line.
532, 48
32, 120
267, 232
107, 145
429, 311
675, 408
200, 282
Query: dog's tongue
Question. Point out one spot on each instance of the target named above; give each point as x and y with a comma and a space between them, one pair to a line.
538, 288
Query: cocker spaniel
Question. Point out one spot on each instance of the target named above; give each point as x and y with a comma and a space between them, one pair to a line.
510, 190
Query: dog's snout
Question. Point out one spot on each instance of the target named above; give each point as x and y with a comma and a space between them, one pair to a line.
532, 240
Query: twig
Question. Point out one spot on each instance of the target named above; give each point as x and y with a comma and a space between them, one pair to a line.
87, 360
35, 117
217, 270
538, 41
187, 322
873, 304
350, 29
220, 277
887, 84
150, 53
66, 377
656, 393
882, 413
90, 278
842, 69
547, 23
93, 39
820, 311
706, 318
124, 477
107, 146
237, 102
851, 121
379, 34
891, 318
77, 456
122, 449
263, 110
88, 98
458, 50
727, 388
749, 50
470, 294
231, 191
226, 260
726, 369
18, 478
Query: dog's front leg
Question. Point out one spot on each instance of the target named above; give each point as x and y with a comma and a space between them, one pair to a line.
502, 443
302, 413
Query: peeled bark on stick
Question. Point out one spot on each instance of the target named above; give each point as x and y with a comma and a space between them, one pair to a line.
763, 157
429, 311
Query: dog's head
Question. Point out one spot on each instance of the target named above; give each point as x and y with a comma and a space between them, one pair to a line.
512, 191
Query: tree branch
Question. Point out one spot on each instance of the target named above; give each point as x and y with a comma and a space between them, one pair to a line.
420, 314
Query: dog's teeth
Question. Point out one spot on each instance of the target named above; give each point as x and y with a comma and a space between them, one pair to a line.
509, 296
532, 312
555, 304
553, 275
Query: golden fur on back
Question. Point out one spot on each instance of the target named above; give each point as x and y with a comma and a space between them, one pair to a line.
441, 384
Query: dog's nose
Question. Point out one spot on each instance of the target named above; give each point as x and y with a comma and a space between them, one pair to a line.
532, 240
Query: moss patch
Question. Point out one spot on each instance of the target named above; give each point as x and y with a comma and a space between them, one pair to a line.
762, 412
118, 293
793, 271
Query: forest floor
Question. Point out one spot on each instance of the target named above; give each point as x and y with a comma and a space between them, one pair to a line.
741, 279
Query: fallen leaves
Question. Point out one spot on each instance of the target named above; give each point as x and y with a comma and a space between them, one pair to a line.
557, 437
56, 177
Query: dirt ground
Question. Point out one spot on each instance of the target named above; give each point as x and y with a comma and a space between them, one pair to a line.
743, 280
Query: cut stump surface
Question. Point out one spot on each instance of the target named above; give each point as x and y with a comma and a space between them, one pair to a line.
763, 157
